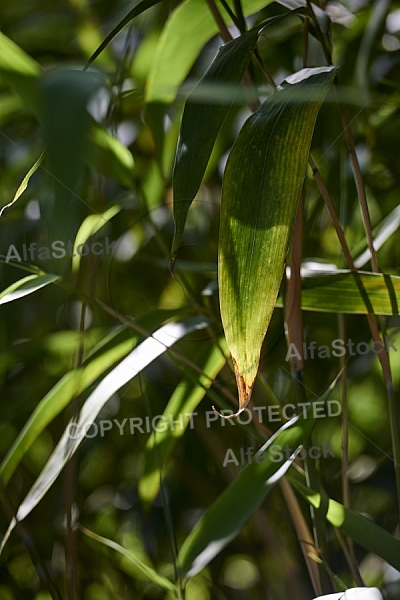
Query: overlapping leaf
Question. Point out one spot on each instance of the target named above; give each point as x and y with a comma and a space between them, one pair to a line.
210, 360
361, 530
201, 122
261, 187
125, 371
232, 509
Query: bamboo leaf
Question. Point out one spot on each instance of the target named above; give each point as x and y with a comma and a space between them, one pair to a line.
232, 509
24, 75
339, 292
364, 532
26, 285
183, 402
91, 225
148, 571
125, 371
24, 183
260, 191
69, 387
189, 28
201, 122
132, 14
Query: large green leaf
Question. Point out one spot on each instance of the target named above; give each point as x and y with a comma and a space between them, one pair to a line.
201, 122
361, 530
210, 360
125, 371
189, 28
232, 509
261, 186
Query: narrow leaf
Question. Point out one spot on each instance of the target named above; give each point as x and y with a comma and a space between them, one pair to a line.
135, 12
24, 183
91, 225
148, 571
182, 403
339, 292
25, 286
190, 26
232, 509
69, 387
201, 122
260, 191
364, 532
125, 371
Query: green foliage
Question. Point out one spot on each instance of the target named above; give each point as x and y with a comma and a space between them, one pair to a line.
133, 133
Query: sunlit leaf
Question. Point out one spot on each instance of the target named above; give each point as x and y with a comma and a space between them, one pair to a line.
188, 29
24, 183
91, 225
261, 186
232, 509
74, 434
364, 532
340, 292
26, 286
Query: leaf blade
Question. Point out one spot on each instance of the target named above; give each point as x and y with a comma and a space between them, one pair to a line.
257, 214
360, 529
201, 122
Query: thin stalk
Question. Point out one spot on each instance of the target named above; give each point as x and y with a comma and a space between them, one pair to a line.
350, 554
383, 356
304, 536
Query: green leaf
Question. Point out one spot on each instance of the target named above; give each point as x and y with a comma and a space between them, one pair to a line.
148, 571
201, 122
229, 513
91, 225
26, 286
135, 12
210, 360
125, 371
189, 28
24, 183
23, 74
339, 292
71, 385
260, 191
364, 532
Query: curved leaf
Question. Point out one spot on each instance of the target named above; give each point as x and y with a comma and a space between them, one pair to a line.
261, 186
69, 387
147, 571
26, 285
183, 402
232, 509
361, 530
201, 122
127, 369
